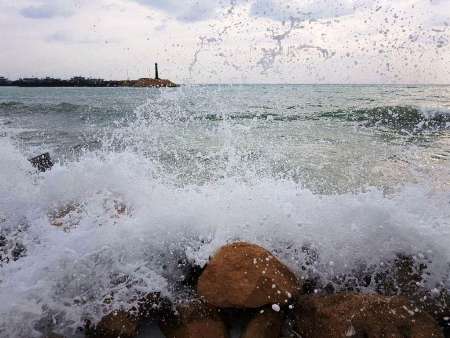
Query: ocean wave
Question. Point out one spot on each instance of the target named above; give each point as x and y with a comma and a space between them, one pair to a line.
122, 228
62, 107
253, 116
406, 118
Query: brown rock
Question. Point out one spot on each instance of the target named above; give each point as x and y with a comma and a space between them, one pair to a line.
66, 216
243, 275
264, 325
118, 324
195, 320
154, 307
356, 315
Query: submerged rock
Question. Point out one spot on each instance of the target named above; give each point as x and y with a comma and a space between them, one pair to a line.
403, 276
264, 325
116, 324
357, 315
243, 275
66, 216
154, 307
195, 320
42, 162
11, 247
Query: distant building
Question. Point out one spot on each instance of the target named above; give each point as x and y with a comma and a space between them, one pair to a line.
4, 81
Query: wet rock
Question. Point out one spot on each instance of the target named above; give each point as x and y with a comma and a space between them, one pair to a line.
356, 315
42, 162
243, 275
155, 307
190, 273
404, 276
264, 325
66, 216
53, 335
11, 247
118, 324
120, 208
195, 320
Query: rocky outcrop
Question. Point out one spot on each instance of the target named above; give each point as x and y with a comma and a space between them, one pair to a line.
195, 320
244, 283
356, 315
266, 324
116, 324
243, 275
42, 162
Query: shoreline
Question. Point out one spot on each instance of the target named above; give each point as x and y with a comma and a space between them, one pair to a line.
44, 83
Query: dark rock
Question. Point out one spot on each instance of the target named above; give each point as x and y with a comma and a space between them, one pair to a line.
190, 273
42, 162
118, 324
402, 277
357, 315
264, 325
243, 275
11, 248
195, 320
53, 335
154, 307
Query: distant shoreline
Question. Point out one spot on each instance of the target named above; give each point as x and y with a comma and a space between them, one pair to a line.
85, 82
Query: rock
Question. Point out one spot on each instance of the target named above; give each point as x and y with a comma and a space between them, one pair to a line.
402, 277
53, 335
42, 162
120, 208
243, 275
66, 216
118, 324
11, 247
154, 307
195, 320
357, 315
190, 273
264, 325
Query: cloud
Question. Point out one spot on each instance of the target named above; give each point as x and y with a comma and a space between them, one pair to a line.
186, 10
71, 38
48, 9
65, 38
308, 9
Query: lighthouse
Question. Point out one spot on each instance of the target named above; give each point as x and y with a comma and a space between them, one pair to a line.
156, 72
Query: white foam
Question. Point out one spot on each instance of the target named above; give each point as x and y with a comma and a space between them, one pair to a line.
66, 276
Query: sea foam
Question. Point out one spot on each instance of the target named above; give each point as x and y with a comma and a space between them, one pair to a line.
65, 276
148, 198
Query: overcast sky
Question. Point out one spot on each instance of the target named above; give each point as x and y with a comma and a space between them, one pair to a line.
222, 41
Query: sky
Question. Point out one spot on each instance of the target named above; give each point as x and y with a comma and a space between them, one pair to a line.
228, 41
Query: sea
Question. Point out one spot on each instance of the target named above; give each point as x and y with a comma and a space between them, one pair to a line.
335, 180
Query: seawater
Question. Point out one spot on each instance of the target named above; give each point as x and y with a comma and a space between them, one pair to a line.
357, 173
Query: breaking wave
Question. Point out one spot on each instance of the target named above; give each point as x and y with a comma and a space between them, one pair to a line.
399, 118
402, 118
99, 231
64, 273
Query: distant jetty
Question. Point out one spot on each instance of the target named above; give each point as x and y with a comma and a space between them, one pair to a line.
80, 81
